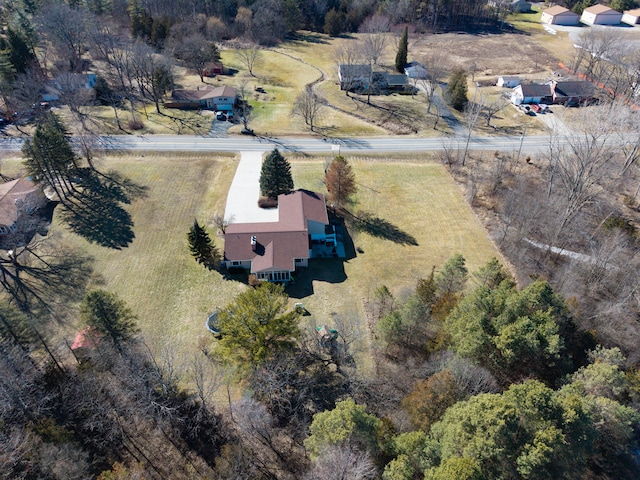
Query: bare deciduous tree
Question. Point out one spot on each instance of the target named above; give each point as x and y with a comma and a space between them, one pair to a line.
308, 105
343, 462
250, 57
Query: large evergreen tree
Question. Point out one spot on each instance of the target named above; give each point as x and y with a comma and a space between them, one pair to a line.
202, 249
403, 50
49, 157
110, 315
457, 90
340, 180
275, 177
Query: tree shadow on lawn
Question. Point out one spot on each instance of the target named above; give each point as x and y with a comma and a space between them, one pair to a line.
379, 227
95, 211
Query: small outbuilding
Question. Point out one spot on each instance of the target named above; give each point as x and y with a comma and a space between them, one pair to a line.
559, 16
212, 69
508, 81
631, 17
600, 15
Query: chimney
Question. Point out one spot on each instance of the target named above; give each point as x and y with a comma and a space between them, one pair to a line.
254, 242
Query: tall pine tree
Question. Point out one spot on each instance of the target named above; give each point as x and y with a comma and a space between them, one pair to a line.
275, 177
403, 51
457, 90
202, 249
49, 157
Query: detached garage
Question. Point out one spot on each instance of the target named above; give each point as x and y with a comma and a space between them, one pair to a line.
559, 16
600, 15
631, 17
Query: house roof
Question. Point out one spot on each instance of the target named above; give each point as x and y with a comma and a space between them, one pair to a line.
353, 70
88, 337
277, 243
396, 79
574, 89
415, 71
203, 93
634, 13
12, 192
559, 10
599, 9
535, 90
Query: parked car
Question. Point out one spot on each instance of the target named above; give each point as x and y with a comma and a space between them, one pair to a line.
221, 116
535, 108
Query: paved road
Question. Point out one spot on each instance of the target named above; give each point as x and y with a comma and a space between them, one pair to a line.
531, 144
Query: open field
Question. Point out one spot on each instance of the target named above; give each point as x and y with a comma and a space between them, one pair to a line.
414, 199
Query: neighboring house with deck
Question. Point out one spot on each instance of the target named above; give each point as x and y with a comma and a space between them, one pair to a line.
273, 250
218, 98
19, 200
559, 16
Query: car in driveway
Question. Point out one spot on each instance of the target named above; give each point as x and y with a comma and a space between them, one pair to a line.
221, 116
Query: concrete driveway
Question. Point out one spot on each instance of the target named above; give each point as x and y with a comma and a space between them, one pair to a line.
242, 199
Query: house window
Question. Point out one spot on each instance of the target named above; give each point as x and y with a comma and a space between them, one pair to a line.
235, 263
299, 260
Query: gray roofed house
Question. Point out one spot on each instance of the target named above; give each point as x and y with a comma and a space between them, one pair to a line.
415, 71
531, 93
351, 75
572, 92
218, 98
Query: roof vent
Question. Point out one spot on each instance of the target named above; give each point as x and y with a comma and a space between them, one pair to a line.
254, 242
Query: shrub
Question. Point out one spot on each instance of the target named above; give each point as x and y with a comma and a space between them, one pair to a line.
267, 202
135, 124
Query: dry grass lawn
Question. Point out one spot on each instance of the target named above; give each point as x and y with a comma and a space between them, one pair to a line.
422, 201
169, 292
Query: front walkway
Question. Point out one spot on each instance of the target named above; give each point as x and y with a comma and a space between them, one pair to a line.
244, 192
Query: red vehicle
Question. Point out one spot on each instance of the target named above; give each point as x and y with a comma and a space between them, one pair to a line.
536, 108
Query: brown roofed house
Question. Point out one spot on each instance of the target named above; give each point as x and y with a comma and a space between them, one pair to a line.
19, 200
273, 250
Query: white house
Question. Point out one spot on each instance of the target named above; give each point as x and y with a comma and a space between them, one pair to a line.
631, 17
559, 16
508, 81
600, 15
531, 94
